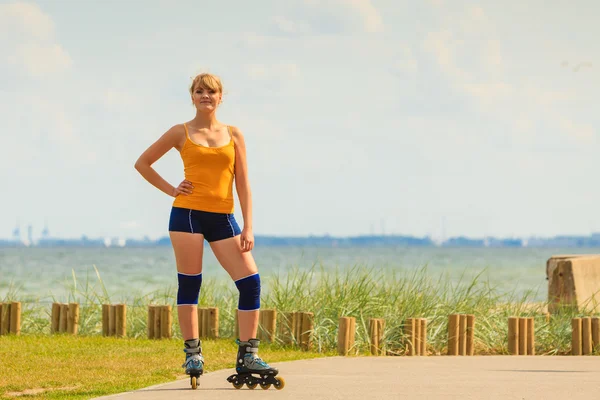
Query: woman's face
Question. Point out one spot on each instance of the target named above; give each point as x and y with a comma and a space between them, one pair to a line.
206, 99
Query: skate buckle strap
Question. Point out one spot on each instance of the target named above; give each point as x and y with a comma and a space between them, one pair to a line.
193, 350
251, 349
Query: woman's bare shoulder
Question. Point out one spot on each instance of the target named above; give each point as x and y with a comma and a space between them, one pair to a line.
236, 132
176, 135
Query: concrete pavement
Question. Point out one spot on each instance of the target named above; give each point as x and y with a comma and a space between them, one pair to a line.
422, 378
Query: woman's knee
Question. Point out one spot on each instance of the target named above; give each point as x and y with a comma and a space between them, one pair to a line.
188, 289
249, 288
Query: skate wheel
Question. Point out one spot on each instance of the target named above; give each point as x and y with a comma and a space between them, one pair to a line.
237, 385
194, 382
251, 385
279, 383
265, 386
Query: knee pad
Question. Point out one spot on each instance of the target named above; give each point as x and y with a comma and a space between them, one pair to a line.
188, 290
249, 288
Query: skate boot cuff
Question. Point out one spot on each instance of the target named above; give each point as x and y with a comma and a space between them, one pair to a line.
251, 346
193, 347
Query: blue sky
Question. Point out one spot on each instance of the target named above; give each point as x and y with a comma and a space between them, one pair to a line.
469, 118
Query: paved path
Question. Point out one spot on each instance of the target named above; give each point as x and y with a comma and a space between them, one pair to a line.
422, 378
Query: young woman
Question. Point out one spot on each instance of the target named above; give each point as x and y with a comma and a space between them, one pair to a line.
213, 155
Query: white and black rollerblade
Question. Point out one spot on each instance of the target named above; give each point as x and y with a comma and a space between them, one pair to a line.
194, 361
249, 364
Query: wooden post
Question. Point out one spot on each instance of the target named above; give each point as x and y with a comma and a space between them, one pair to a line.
409, 331
165, 322
417, 329
121, 320
112, 328
296, 320
236, 325
202, 322
55, 326
343, 336
595, 334
530, 336
64, 315
352, 331
205, 322
523, 336
284, 330
260, 332
213, 322
586, 336
381, 332
105, 318
298, 328
462, 338
4, 318
453, 334
423, 341
513, 336
72, 318
470, 334
346, 335
307, 329
376, 327
157, 322
373, 336
576, 337
267, 325
150, 324
15, 318
208, 323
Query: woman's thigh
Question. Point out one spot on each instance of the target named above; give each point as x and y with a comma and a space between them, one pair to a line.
187, 239
229, 253
188, 248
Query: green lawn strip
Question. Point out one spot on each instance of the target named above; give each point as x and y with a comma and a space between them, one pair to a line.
79, 367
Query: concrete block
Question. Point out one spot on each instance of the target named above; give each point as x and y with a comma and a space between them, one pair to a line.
574, 282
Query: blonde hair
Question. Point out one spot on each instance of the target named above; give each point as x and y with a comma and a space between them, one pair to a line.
207, 81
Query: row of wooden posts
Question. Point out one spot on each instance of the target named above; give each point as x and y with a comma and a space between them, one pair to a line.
296, 328
10, 318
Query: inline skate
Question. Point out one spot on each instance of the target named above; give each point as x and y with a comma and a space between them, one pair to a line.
249, 364
194, 361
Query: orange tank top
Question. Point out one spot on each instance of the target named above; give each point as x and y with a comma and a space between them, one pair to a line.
211, 171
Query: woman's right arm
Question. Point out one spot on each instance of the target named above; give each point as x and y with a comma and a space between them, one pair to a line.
144, 164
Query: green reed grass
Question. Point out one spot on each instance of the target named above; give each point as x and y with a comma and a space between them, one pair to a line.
356, 291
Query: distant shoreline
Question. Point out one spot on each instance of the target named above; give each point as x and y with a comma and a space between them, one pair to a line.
591, 241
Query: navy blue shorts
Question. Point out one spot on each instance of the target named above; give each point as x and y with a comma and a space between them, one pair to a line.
214, 226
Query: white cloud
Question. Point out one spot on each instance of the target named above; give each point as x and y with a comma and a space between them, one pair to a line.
118, 98
371, 17
362, 13
26, 18
286, 25
470, 54
473, 20
582, 133
279, 71
28, 40
492, 56
436, 3
443, 46
406, 62
489, 93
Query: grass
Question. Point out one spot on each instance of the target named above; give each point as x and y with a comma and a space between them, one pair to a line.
80, 367
357, 292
